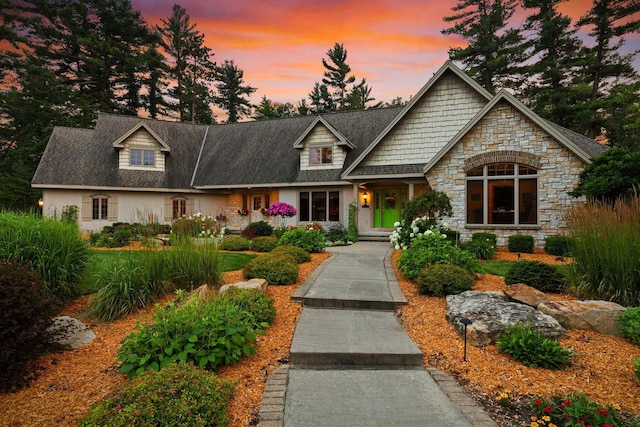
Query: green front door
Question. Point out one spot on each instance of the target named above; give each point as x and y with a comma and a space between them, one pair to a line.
388, 206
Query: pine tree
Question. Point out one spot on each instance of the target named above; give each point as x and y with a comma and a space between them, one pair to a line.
232, 91
268, 109
321, 99
337, 75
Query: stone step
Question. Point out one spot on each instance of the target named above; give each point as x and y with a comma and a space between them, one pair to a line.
327, 337
346, 304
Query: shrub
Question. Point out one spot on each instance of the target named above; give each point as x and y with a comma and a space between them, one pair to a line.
122, 236
481, 249
178, 395
521, 243
544, 277
487, 237
352, 228
315, 226
309, 240
196, 225
235, 243
276, 270
257, 229
531, 348
336, 233
429, 249
190, 330
26, 307
264, 243
636, 366
558, 245
629, 322
406, 231
434, 204
253, 301
578, 410
443, 279
54, 249
296, 252
452, 235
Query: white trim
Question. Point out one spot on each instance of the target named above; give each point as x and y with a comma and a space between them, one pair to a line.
398, 176
119, 143
98, 188
273, 185
342, 140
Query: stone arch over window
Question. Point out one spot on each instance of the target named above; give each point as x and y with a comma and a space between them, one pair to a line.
503, 156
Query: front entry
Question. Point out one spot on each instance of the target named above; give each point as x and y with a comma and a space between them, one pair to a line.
388, 206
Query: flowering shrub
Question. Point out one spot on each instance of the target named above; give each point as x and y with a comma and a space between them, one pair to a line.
573, 411
405, 232
314, 226
196, 225
282, 209
243, 212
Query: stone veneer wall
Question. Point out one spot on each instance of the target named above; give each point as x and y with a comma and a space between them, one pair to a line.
233, 204
506, 129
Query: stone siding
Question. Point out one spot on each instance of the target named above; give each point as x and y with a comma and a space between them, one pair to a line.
506, 130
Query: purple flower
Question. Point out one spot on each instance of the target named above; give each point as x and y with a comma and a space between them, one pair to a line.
283, 209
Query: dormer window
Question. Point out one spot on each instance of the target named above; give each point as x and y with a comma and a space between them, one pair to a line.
321, 155
140, 157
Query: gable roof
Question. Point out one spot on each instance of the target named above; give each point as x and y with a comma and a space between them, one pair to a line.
119, 143
447, 67
581, 146
320, 120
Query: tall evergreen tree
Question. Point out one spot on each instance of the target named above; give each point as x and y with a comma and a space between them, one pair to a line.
494, 51
321, 99
268, 109
359, 96
336, 75
232, 91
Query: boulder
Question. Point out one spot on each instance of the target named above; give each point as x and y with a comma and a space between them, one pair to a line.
491, 316
259, 284
525, 294
599, 316
68, 333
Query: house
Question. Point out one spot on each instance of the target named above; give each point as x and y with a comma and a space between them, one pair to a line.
505, 169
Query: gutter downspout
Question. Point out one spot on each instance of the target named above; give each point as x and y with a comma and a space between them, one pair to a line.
195, 170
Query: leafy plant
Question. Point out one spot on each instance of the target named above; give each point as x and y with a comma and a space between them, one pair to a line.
309, 240
264, 243
429, 249
257, 229
196, 225
521, 243
336, 233
191, 265
558, 245
178, 395
544, 277
352, 228
235, 243
443, 279
276, 270
486, 237
531, 348
194, 330
481, 249
253, 301
26, 307
629, 322
434, 204
577, 410
70, 214
298, 254
636, 366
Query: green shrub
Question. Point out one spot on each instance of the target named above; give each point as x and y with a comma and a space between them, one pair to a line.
352, 228
257, 229
452, 235
309, 240
429, 249
26, 307
235, 243
558, 245
190, 330
521, 243
531, 348
54, 249
276, 270
253, 301
443, 279
264, 243
336, 233
578, 410
296, 252
629, 322
636, 366
486, 237
190, 265
481, 249
122, 236
178, 395
544, 277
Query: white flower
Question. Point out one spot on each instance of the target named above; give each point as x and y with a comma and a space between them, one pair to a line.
396, 224
404, 247
411, 235
428, 232
445, 225
397, 246
416, 229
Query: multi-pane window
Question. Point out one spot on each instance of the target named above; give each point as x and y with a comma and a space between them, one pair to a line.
502, 193
99, 208
320, 155
140, 157
179, 208
319, 206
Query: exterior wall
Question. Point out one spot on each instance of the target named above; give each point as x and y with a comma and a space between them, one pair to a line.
143, 140
505, 128
432, 122
320, 136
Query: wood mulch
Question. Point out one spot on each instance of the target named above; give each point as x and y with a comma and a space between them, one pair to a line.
73, 380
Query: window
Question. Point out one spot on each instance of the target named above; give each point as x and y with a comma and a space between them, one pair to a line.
320, 156
99, 210
319, 206
139, 157
502, 193
179, 208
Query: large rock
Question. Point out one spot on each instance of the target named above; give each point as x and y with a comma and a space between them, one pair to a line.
491, 316
68, 333
260, 284
525, 294
599, 316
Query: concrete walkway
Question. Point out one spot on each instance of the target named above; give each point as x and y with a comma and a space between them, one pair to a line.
351, 363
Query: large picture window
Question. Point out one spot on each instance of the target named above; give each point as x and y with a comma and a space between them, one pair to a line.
502, 193
320, 156
319, 206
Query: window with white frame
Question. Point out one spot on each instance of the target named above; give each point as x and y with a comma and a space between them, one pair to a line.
179, 208
141, 157
99, 207
319, 206
502, 193
320, 155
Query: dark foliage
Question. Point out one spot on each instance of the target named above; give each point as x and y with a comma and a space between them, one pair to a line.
521, 243
544, 277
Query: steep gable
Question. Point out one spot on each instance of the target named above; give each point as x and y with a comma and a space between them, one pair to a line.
322, 147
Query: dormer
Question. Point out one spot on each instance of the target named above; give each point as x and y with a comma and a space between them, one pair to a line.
141, 149
322, 146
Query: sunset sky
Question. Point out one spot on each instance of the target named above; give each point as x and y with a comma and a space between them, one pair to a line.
395, 44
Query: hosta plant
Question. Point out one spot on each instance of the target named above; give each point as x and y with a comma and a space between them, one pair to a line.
531, 348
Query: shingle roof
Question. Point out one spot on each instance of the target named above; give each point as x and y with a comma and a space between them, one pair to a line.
587, 144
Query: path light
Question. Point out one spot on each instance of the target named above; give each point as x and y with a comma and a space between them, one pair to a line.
465, 322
